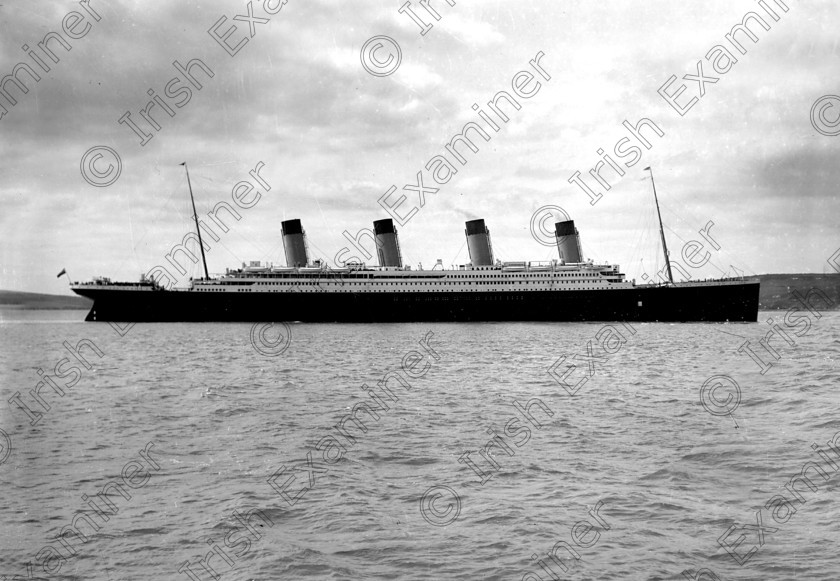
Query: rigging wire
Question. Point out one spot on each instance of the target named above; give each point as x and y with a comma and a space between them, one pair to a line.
457, 254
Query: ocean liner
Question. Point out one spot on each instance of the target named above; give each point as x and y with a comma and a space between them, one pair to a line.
567, 288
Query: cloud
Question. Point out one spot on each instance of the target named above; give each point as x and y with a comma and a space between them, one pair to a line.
335, 138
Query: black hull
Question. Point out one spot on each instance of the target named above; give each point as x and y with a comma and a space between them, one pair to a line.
681, 303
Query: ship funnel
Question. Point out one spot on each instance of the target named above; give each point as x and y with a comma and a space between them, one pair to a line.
387, 243
568, 241
478, 243
294, 243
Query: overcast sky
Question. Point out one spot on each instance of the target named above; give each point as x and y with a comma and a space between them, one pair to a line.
334, 137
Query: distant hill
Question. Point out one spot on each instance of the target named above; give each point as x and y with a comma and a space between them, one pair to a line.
20, 300
776, 293
776, 290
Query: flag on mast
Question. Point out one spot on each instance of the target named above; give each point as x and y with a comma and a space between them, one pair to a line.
63, 271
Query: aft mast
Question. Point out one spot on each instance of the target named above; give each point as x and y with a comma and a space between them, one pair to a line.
661, 231
197, 229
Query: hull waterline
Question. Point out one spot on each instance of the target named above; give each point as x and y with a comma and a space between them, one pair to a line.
727, 301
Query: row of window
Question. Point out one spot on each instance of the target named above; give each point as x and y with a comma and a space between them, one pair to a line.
341, 276
248, 290
566, 274
413, 284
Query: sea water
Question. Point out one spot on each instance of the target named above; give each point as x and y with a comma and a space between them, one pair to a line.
639, 451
